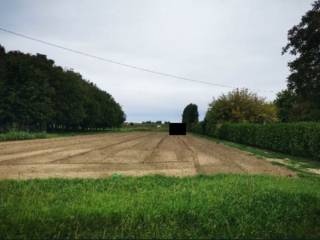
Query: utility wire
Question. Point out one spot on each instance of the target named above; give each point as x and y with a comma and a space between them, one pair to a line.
115, 62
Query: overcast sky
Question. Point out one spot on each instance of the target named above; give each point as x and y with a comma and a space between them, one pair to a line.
230, 42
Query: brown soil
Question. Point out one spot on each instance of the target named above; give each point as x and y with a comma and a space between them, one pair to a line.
128, 154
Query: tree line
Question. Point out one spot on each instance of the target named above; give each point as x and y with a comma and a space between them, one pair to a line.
237, 106
37, 95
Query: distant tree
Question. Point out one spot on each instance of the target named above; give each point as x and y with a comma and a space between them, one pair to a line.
2, 51
190, 115
3, 104
240, 106
286, 102
304, 80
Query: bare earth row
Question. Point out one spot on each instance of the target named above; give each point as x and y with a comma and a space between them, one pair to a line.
133, 154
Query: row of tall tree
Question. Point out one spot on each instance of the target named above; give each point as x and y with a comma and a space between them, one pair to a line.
35, 94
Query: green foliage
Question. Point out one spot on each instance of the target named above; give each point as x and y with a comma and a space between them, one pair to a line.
37, 95
23, 135
304, 80
14, 135
203, 207
241, 106
293, 108
299, 139
286, 102
199, 128
190, 115
301, 165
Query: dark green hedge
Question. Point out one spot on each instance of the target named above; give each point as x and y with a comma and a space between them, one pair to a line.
300, 139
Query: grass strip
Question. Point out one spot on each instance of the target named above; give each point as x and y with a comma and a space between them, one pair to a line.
219, 206
23, 135
299, 164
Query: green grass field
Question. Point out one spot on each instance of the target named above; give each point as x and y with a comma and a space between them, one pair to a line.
23, 135
220, 206
20, 135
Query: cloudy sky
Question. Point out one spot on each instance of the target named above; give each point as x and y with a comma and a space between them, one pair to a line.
230, 42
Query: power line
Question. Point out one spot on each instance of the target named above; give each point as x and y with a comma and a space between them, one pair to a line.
115, 62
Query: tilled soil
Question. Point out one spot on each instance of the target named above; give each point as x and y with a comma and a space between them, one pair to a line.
133, 154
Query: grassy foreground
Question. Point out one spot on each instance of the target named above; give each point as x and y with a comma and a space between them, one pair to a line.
220, 206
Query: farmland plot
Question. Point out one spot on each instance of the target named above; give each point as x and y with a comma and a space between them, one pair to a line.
136, 154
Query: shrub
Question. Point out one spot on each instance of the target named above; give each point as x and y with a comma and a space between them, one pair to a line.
197, 128
14, 135
299, 139
241, 106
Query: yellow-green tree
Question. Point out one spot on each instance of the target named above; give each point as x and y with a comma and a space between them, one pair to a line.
241, 106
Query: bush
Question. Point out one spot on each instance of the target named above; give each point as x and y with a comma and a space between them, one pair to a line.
240, 106
20, 135
300, 139
199, 128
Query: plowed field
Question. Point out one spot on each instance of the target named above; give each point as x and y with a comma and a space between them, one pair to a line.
128, 154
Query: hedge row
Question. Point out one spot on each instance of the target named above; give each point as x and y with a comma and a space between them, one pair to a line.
299, 139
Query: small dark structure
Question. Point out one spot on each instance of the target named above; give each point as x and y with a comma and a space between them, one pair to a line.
177, 129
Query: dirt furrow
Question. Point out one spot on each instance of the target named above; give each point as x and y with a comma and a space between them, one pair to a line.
193, 154
126, 153
105, 154
151, 156
35, 145
57, 154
